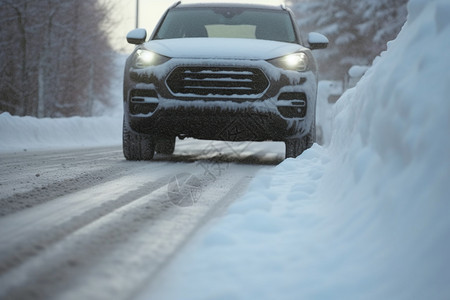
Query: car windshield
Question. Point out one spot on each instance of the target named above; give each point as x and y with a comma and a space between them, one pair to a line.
225, 22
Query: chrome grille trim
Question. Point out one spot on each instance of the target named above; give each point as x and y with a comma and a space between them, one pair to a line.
217, 82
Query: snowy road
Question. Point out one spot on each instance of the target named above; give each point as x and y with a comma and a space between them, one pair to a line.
365, 216
86, 224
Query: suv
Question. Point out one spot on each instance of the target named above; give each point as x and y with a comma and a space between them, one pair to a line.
231, 72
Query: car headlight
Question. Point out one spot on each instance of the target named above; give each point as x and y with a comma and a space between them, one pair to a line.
295, 61
145, 58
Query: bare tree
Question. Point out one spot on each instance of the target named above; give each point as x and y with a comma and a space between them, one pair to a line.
55, 58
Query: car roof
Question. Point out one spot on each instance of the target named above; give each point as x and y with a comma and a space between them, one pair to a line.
228, 4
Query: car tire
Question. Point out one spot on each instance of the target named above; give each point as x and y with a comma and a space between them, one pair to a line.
165, 146
137, 146
296, 146
310, 138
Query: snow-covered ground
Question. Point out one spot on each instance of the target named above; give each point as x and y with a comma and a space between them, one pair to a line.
366, 216
28, 133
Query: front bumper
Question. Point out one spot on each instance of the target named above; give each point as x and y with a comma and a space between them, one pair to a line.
283, 110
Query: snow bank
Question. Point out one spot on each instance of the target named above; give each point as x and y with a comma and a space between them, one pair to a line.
364, 218
28, 133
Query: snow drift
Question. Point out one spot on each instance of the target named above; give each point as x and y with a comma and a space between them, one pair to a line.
363, 218
29, 133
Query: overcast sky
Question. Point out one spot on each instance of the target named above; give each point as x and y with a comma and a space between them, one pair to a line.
149, 13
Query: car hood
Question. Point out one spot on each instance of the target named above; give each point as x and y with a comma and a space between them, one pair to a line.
221, 48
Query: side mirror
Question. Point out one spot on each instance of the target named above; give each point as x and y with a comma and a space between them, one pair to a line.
137, 36
317, 41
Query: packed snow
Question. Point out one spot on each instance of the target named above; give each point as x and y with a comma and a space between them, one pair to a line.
363, 216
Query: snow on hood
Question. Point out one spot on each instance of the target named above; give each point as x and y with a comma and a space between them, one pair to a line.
228, 48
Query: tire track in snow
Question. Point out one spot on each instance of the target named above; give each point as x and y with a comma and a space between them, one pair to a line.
29, 179
28, 232
107, 237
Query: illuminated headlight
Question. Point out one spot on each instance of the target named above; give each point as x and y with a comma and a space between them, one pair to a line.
295, 61
145, 58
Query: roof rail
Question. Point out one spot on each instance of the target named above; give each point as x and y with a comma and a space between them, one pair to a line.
175, 4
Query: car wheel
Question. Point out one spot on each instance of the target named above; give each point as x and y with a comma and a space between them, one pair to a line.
295, 147
165, 146
310, 138
137, 146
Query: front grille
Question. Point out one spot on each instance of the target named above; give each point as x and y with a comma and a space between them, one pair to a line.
217, 82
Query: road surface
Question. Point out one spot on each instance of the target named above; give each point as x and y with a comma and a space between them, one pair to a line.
87, 224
